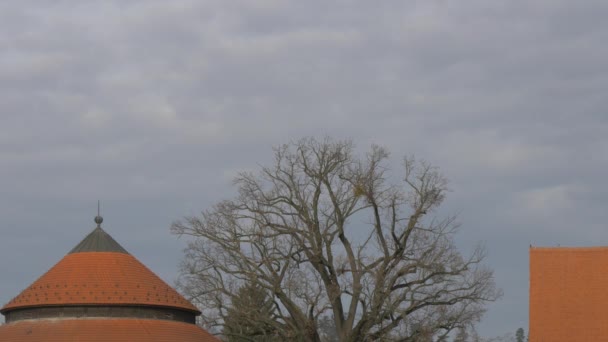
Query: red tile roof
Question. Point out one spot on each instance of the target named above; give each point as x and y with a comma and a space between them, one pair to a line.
92, 278
99, 272
103, 330
568, 294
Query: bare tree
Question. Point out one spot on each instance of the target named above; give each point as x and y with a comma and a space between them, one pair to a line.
327, 233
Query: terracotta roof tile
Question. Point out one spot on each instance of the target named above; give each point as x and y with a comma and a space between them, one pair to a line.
568, 294
103, 330
90, 278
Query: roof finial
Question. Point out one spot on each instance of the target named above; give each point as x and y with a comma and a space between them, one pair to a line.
98, 218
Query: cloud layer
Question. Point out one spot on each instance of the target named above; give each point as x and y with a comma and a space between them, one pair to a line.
151, 106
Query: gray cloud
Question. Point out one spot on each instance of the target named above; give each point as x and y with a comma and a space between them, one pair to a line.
153, 105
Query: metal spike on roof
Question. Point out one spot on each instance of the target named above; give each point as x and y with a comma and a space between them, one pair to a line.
98, 218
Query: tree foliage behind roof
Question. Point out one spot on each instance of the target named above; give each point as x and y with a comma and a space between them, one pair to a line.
327, 233
252, 317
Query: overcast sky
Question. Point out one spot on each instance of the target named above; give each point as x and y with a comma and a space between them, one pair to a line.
153, 106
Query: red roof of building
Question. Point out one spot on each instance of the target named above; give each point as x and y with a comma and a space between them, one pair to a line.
103, 330
568, 294
78, 300
92, 278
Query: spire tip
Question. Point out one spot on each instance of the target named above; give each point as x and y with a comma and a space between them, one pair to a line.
98, 218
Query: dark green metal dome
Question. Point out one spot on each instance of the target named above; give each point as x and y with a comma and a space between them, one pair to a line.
98, 241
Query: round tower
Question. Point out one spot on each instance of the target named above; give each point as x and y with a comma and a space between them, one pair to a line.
99, 292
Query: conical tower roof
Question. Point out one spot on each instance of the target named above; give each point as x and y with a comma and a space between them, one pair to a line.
99, 271
99, 292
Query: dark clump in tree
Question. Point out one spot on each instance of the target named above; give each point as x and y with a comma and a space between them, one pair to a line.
326, 233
